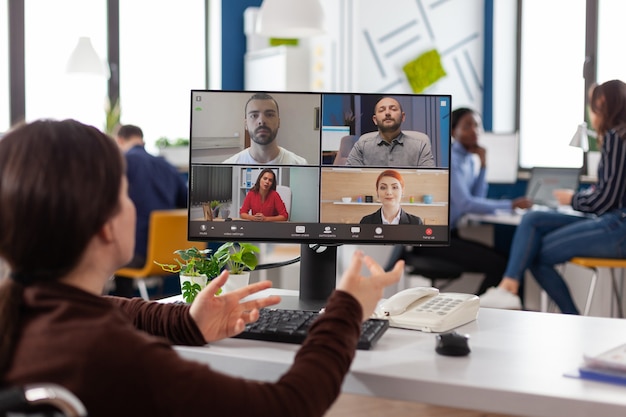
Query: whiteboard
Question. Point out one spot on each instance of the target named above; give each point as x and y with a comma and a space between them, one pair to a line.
502, 156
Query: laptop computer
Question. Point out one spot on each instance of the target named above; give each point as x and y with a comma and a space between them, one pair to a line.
544, 180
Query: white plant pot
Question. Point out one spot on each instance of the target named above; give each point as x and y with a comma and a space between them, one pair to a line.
236, 281
200, 280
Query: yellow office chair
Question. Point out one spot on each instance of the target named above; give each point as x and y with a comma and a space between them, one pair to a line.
595, 264
167, 233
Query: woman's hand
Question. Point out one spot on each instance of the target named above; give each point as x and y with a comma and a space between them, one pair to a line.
223, 316
563, 196
368, 290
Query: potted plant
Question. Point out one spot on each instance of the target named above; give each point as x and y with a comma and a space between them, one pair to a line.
215, 206
197, 267
175, 151
240, 259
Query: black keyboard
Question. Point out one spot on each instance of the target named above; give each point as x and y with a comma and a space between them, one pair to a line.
291, 326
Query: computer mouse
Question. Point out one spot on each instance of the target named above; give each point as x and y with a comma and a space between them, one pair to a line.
452, 344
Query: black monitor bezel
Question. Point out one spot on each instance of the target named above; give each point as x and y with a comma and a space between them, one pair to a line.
391, 234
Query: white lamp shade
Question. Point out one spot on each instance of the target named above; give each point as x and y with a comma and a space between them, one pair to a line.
290, 18
84, 59
581, 137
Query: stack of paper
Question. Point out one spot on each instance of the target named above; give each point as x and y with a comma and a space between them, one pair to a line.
609, 366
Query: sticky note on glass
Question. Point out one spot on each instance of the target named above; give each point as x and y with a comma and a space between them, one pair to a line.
424, 70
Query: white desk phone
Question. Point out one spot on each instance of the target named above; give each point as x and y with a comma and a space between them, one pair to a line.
425, 309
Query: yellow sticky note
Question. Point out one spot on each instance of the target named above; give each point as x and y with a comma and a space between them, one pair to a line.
424, 71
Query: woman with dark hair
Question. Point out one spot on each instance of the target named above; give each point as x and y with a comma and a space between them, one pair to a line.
546, 239
390, 189
263, 203
468, 195
66, 225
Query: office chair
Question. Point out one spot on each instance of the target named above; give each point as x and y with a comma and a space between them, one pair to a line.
41, 400
433, 268
167, 233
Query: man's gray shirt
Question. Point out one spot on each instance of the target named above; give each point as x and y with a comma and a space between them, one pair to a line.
405, 150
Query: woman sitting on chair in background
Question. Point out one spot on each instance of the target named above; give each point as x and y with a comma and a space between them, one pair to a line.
468, 195
115, 353
389, 190
546, 239
263, 203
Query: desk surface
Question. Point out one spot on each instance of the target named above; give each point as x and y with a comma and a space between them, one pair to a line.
517, 365
514, 217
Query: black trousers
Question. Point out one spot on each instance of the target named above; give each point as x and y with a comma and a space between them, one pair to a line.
470, 255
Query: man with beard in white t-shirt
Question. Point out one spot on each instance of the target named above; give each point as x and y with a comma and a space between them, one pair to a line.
262, 123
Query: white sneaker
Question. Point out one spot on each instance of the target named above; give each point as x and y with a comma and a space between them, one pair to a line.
496, 297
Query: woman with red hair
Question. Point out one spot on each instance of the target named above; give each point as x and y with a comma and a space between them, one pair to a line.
389, 190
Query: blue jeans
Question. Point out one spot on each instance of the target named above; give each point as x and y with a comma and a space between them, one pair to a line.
545, 239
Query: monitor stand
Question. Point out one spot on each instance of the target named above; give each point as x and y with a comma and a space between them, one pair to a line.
318, 276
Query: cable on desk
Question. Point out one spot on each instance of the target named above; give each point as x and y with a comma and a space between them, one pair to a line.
277, 264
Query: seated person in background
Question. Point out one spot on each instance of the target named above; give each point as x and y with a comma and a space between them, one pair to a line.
262, 121
153, 184
391, 147
116, 353
389, 189
263, 203
468, 194
545, 239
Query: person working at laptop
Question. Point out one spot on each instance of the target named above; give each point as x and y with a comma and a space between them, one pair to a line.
547, 238
468, 194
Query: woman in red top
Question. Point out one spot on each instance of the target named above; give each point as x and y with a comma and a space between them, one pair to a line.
263, 203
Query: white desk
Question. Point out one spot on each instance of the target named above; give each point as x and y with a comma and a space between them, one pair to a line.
514, 217
516, 366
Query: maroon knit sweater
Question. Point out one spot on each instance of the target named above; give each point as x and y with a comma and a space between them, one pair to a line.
115, 354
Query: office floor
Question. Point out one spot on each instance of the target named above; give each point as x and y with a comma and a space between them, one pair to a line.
349, 405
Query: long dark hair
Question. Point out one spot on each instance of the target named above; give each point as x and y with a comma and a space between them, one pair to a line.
257, 184
59, 183
609, 101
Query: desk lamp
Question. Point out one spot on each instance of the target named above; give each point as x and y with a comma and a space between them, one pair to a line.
581, 137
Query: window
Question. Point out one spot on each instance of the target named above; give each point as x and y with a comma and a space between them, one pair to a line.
162, 58
51, 34
551, 84
611, 59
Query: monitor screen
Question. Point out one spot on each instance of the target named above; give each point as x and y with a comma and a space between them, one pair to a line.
319, 169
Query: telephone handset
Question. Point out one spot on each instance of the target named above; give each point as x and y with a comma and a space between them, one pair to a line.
425, 309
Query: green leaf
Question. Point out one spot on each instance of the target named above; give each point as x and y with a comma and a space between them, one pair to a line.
190, 291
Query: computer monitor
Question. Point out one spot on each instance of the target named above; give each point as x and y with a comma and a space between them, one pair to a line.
324, 199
